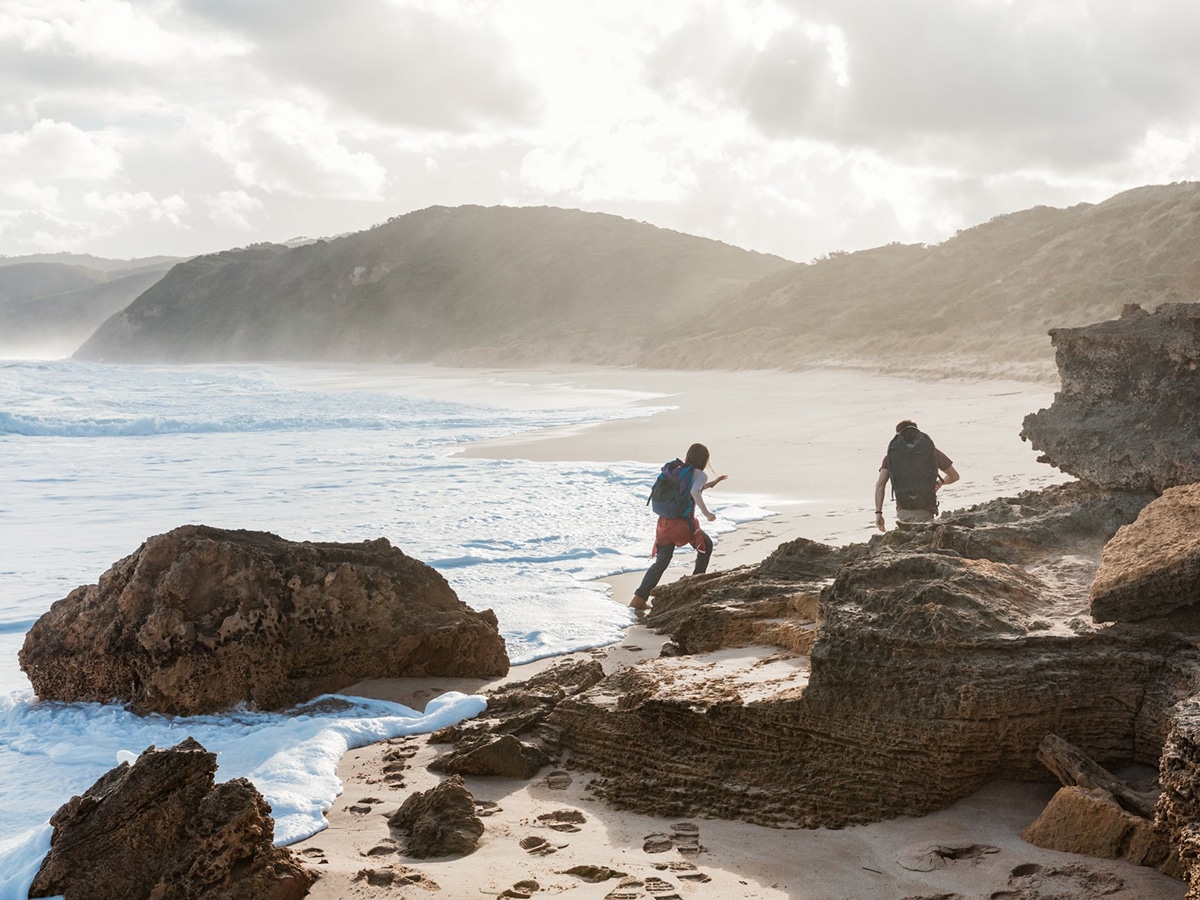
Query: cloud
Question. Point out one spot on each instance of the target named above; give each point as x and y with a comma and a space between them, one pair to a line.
127, 206
285, 148
231, 209
398, 64
56, 151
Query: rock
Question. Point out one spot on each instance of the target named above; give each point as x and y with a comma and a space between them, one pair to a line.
1090, 822
201, 618
440, 821
1126, 415
930, 673
502, 755
162, 828
1151, 567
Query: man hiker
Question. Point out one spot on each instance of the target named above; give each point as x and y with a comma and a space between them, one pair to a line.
917, 470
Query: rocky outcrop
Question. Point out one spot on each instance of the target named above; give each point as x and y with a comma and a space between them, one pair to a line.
1151, 567
1178, 808
201, 618
163, 828
1126, 415
440, 821
942, 668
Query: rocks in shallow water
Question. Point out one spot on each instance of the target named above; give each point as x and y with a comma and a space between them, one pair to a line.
1126, 415
440, 821
200, 618
1151, 567
163, 828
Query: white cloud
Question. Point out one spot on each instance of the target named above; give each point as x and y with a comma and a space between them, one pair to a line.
285, 148
56, 151
142, 205
791, 126
232, 209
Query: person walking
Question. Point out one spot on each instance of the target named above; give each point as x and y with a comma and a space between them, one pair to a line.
681, 531
917, 470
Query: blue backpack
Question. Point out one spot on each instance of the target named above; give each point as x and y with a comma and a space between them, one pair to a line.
671, 495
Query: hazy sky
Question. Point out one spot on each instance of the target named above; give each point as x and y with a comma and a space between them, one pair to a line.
794, 127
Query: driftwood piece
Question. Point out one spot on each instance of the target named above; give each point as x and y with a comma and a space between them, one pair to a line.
1074, 767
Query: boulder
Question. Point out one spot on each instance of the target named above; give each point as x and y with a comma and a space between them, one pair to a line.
502, 755
163, 828
1090, 822
199, 619
1151, 567
439, 822
1126, 415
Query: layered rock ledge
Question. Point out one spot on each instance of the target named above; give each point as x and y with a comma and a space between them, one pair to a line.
199, 619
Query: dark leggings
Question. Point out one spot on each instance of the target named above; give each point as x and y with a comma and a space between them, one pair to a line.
663, 559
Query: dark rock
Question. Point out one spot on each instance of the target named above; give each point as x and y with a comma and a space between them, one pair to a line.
1126, 415
201, 618
502, 755
440, 821
163, 828
1151, 568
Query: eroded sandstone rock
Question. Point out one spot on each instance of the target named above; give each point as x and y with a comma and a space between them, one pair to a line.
1151, 567
502, 755
201, 618
1126, 415
162, 828
934, 670
440, 821
1092, 823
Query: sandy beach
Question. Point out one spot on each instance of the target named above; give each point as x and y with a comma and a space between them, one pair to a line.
815, 471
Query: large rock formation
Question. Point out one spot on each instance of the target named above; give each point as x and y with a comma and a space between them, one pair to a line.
1126, 415
163, 828
201, 618
1151, 568
941, 668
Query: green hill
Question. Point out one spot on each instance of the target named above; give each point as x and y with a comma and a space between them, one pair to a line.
467, 285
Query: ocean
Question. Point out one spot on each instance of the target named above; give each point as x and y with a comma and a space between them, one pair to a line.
96, 458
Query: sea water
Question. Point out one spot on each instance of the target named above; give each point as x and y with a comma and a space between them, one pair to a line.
96, 458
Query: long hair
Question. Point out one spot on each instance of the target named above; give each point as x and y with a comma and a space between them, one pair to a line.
697, 456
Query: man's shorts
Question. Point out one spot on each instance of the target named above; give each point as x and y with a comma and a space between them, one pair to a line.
914, 516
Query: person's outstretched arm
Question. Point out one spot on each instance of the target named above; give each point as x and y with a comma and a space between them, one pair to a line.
880, 484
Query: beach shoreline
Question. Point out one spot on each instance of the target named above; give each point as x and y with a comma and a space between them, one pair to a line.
742, 417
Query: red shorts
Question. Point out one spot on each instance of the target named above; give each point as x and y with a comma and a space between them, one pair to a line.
679, 532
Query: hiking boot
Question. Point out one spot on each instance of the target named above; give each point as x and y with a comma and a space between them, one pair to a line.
638, 603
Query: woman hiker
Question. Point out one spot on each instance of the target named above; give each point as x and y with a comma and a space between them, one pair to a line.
672, 533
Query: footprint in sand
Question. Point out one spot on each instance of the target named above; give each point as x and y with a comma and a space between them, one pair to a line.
684, 871
593, 874
364, 806
537, 845
386, 848
1033, 880
686, 836
657, 842
558, 780
567, 820
522, 890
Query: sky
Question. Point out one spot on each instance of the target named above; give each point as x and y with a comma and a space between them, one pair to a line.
793, 127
